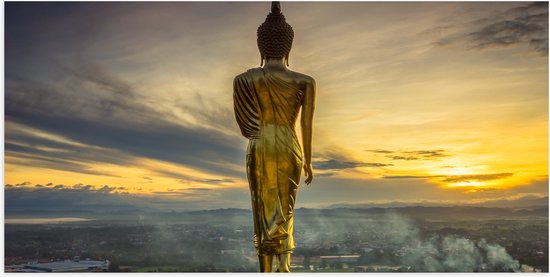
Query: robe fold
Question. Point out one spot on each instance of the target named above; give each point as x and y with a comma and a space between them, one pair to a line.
266, 108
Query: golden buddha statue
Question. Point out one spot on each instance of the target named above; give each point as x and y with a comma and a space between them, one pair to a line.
267, 100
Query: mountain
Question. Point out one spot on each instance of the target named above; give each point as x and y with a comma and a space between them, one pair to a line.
523, 202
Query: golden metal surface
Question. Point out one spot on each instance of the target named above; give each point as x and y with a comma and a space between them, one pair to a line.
267, 101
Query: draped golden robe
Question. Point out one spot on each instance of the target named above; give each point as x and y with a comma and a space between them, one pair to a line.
266, 108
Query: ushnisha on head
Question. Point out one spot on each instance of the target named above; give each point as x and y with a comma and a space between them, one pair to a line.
275, 35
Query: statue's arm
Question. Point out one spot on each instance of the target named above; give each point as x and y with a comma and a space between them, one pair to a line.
308, 108
245, 112
236, 90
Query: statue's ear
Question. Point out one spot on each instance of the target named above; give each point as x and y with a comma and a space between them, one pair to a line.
287, 64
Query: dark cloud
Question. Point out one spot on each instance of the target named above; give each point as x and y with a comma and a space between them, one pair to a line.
525, 25
63, 160
60, 197
112, 117
107, 189
334, 164
419, 155
75, 187
80, 94
413, 155
82, 187
427, 153
530, 29
381, 151
79, 197
337, 160
409, 158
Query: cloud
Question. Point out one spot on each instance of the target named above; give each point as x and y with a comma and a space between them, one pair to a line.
427, 153
455, 178
24, 196
215, 181
72, 158
189, 178
334, 164
409, 158
338, 160
107, 189
412, 155
21, 200
529, 29
111, 116
210, 114
188, 193
79, 197
475, 177
518, 26
381, 151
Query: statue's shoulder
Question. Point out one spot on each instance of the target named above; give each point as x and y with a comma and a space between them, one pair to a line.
303, 78
250, 74
255, 71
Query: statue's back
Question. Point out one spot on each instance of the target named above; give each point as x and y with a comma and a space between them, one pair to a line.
280, 96
267, 101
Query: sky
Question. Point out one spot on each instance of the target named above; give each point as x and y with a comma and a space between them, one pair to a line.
129, 104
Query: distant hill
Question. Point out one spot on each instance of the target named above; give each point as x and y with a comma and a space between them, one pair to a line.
524, 202
528, 206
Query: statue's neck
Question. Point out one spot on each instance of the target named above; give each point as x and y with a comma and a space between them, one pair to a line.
275, 63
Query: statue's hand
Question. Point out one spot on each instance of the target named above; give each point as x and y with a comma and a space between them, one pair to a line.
308, 172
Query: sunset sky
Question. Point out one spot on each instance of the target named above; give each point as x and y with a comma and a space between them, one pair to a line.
131, 103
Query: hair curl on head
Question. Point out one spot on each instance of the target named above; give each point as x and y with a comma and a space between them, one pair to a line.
275, 35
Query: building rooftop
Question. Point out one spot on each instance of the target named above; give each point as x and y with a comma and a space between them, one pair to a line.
68, 265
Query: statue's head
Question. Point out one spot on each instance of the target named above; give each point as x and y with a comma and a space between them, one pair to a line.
275, 35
